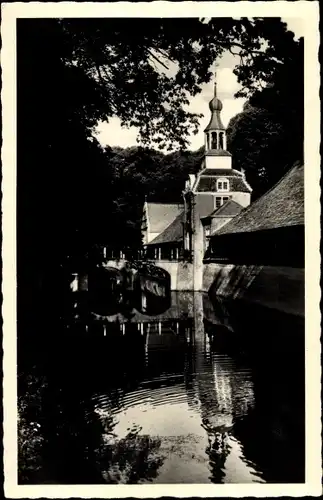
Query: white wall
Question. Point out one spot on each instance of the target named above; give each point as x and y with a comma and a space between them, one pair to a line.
218, 161
181, 274
198, 245
151, 236
242, 198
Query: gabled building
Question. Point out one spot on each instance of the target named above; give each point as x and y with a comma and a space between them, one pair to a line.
169, 245
157, 217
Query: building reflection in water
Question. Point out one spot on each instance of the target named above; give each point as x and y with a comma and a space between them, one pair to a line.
225, 391
176, 394
176, 408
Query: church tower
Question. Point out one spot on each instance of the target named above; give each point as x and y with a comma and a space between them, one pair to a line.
216, 154
216, 193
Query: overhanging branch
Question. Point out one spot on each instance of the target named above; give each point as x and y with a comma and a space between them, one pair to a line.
158, 60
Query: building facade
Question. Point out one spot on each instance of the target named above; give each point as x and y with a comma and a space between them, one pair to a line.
211, 198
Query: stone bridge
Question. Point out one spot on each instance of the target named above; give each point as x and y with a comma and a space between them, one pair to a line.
181, 273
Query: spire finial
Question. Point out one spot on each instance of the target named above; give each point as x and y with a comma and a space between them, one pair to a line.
214, 83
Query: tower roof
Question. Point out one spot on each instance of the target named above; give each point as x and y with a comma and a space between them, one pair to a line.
215, 106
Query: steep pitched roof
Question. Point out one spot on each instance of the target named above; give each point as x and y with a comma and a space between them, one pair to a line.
160, 215
281, 206
229, 209
173, 233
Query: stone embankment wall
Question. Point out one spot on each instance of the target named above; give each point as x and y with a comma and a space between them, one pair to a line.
280, 288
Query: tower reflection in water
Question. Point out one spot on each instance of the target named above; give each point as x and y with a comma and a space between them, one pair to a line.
170, 416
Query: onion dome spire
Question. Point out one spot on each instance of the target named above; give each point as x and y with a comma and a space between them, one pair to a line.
215, 135
215, 106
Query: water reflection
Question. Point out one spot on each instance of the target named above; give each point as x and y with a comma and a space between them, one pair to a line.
165, 398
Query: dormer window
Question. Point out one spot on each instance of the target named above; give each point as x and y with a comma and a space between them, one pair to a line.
222, 185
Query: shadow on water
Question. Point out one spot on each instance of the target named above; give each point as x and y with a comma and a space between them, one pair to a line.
164, 390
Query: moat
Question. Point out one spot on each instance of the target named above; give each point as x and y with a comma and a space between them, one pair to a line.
195, 392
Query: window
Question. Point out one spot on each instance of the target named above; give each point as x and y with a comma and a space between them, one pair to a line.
221, 135
213, 143
222, 185
208, 138
220, 200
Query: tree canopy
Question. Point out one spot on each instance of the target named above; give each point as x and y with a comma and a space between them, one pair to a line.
72, 73
267, 137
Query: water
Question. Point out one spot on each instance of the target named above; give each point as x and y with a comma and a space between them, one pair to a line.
197, 393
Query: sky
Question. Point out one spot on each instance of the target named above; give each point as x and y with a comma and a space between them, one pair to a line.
113, 134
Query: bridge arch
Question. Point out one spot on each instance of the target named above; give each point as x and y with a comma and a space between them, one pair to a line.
181, 273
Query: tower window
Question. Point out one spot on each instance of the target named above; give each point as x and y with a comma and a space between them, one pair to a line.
222, 185
221, 134
208, 138
213, 145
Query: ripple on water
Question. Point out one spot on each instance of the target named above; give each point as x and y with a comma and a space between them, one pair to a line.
172, 415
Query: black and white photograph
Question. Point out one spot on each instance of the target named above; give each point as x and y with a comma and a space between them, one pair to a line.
161, 248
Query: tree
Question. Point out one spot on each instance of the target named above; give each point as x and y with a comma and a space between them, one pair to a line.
139, 173
266, 139
253, 138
